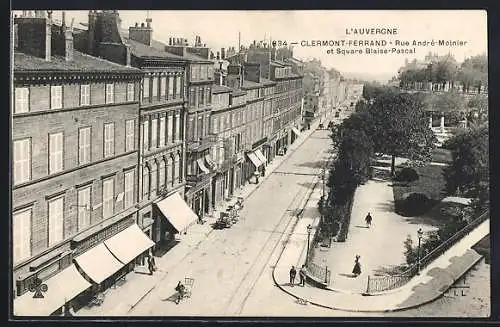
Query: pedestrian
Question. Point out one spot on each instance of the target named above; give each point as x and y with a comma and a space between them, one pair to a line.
263, 171
151, 264
200, 217
368, 220
356, 271
180, 288
284, 149
293, 273
302, 275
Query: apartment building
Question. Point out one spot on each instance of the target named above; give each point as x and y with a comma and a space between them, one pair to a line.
74, 166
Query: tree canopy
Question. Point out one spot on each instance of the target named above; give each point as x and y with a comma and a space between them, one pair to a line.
398, 126
469, 170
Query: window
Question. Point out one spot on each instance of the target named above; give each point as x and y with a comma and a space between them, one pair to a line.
129, 188
84, 95
56, 220
145, 181
22, 100
154, 132
215, 125
154, 90
200, 126
161, 174
56, 97
129, 135
145, 136
21, 234
109, 139
162, 131
177, 173
145, 88
84, 145
176, 90
178, 127
200, 96
83, 203
154, 181
130, 92
179, 86
170, 87
110, 93
170, 128
169, 171
55, 153
192, 97
108, 194
163, 86
22, 161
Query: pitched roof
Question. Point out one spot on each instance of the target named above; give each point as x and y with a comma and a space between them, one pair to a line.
144, 51
81, 62
266, 81
237, 92
250, 84
221, 89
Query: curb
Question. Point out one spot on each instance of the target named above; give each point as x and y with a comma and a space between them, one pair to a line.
433, 298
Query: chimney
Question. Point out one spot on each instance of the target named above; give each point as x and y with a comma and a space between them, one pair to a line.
218, 55
169, 41
34, 35
91, 31
223, 53
68, 40
127, 58
142, 34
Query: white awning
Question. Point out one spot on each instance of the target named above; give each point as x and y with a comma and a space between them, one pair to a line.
129, 243
98, 263
261, 156
61, 288
202, 166
295, 130
253, 158
177, 212
209, 161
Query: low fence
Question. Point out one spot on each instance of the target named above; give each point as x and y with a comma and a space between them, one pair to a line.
386, 283
321, 274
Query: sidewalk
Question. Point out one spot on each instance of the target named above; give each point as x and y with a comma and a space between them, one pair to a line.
345, 293
122, 299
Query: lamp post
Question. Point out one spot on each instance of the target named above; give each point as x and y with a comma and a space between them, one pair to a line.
419, 234
309, 229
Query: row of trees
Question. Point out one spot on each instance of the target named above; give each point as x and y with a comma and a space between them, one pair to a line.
386, 122
472, 73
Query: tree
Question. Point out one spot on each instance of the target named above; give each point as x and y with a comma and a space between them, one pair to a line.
398, 126
469, 170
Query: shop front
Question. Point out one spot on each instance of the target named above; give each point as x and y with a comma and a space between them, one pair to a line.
176, 215
253, 165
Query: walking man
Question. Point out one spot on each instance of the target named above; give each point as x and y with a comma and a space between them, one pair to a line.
302, 275
368, 220
293, 273
151, 264
180, 288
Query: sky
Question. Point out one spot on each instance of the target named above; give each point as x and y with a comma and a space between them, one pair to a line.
220, 29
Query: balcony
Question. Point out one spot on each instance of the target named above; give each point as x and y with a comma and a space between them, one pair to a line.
193, 180
202, 144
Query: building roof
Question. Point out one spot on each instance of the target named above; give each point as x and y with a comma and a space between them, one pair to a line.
81, 62
237, 92
143, 51
251, 85
266, 81
221, 89
295, 61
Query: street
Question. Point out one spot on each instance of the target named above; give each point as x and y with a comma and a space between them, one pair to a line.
228, 265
